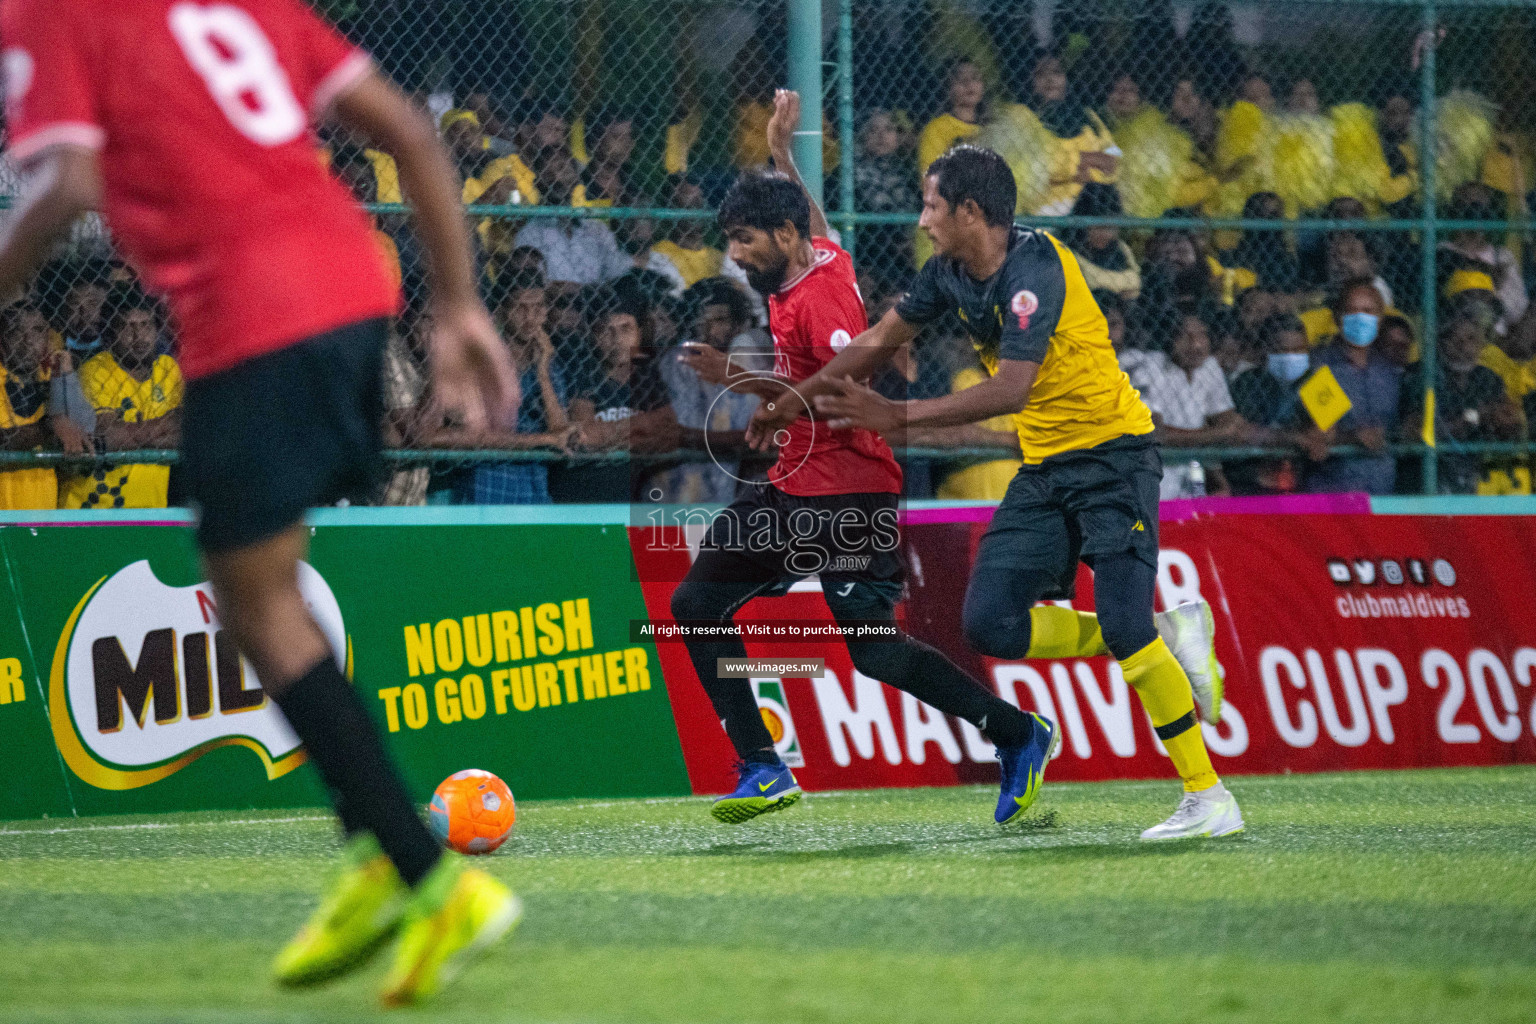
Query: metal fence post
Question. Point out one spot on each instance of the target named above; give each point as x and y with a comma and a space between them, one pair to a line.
845, 134
805, 78
1428, 237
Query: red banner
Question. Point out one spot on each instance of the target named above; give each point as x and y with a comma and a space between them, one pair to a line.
1350, 641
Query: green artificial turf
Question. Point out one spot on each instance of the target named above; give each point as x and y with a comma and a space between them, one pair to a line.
1401, 896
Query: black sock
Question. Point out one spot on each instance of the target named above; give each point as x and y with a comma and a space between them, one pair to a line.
926, 674
732, 699
366, 790
715, 588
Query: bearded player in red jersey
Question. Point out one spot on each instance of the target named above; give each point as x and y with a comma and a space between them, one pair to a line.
191, 127
829, 508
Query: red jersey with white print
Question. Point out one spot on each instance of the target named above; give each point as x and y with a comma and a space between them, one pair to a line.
214, 189
813, 317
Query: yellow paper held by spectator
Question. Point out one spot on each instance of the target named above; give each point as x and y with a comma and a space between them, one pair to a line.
1324, 398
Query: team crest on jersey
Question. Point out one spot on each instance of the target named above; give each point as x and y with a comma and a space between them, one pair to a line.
1024, 305
19, 69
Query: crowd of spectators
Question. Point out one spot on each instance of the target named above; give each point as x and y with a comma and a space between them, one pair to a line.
1223, 332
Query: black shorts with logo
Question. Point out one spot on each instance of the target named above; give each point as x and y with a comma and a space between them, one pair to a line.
284, 432
1097, 501
842, 538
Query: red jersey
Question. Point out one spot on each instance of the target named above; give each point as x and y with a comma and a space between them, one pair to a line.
213, 184
813, 317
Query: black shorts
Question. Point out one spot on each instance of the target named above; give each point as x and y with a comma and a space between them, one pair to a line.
1076, 505
284, 432
776, 539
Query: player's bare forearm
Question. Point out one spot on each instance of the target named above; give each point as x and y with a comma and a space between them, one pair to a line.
819, 226
866, 354
60, 185
781, 128
855, 405
969, 435
1006, 392
377, 109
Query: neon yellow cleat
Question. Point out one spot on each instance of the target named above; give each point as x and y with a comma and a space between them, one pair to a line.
361, 911
455, 914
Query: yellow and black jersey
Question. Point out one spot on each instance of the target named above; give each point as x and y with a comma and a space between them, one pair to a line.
24, 401
1038, 308
110, 387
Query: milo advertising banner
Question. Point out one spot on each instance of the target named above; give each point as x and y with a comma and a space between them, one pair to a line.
475, 646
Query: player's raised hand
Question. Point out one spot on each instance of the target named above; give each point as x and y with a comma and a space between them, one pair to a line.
854, 405
786, 118
472, 376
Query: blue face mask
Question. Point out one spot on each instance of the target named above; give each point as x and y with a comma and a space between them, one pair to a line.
1359, 328
1288, 366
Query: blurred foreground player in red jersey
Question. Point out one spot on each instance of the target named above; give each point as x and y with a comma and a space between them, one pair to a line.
191, 127
829, 508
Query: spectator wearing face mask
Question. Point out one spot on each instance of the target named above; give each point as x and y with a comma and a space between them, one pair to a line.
1372, 384
1267, 396
1471, 403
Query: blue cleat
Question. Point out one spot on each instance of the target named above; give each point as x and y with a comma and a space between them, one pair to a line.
1024, 770
760, 788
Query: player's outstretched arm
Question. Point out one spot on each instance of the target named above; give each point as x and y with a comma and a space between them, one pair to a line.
781, 130
862, 357
854, 405
472, 373
58, 186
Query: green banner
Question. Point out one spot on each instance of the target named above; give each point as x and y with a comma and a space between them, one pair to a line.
499, 647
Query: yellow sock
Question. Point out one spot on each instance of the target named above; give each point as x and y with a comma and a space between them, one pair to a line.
1057, 632
1164, 689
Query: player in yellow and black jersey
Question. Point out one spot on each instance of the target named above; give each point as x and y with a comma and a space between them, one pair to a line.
1088, 489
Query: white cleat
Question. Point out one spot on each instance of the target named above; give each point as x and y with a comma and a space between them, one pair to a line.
1190, 633
1200, 817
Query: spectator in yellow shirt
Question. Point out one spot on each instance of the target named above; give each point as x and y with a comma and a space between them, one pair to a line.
686, 254
1083, 150
137, 397
965, 108
25, 375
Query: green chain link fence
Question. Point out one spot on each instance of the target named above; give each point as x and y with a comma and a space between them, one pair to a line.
1223, 172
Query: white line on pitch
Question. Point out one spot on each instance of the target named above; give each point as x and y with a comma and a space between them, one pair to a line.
136, 826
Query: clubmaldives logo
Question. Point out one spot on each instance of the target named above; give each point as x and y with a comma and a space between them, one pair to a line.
145, 680
1368, 572
1387, 600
